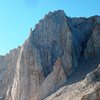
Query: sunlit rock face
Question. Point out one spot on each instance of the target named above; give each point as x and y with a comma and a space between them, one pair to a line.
45, 59
54, 40
80, 90
7, 69
95, 95
51, 54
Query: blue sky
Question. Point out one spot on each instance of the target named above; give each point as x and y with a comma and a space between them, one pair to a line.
18, 16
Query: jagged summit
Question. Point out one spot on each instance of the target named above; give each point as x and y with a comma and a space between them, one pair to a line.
52, 14
49, 57
56, 13
55, 16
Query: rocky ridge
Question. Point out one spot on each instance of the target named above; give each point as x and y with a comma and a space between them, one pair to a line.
49, 57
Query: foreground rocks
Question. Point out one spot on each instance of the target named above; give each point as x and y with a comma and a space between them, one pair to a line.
49, 57
92, 76
79, 90
95, 95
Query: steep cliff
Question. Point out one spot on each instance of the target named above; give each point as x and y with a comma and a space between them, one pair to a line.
7, 69
49, 56
36, 73
93, 44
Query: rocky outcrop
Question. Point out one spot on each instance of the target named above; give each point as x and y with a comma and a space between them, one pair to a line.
42, 66
7, 69
28, 74
93, 44
93, 76
80, 90
95, 95
53, 81
54, 40
48, 57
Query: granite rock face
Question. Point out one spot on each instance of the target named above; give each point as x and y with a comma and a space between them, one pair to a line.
54, 40
48, 57
93, 44
80, 90
95, 95
7, 69
92, 76
42, 66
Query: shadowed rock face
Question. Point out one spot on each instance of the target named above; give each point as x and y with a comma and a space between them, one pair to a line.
49, 56
93, 45
47, 48
54, 37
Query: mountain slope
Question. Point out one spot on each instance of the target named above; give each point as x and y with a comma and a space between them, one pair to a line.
80, 83
56, 51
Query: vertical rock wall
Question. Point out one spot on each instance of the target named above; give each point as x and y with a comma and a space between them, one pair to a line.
7, 69
50, 54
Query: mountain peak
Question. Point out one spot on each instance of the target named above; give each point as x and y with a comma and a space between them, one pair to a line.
59, 50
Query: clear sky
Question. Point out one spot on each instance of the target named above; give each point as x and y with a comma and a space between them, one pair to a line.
18, 16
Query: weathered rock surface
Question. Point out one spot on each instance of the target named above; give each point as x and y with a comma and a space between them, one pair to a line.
49, 57
93, 45
80, 90
7, 69
54, 40
92, 76
42, 66
95, 95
